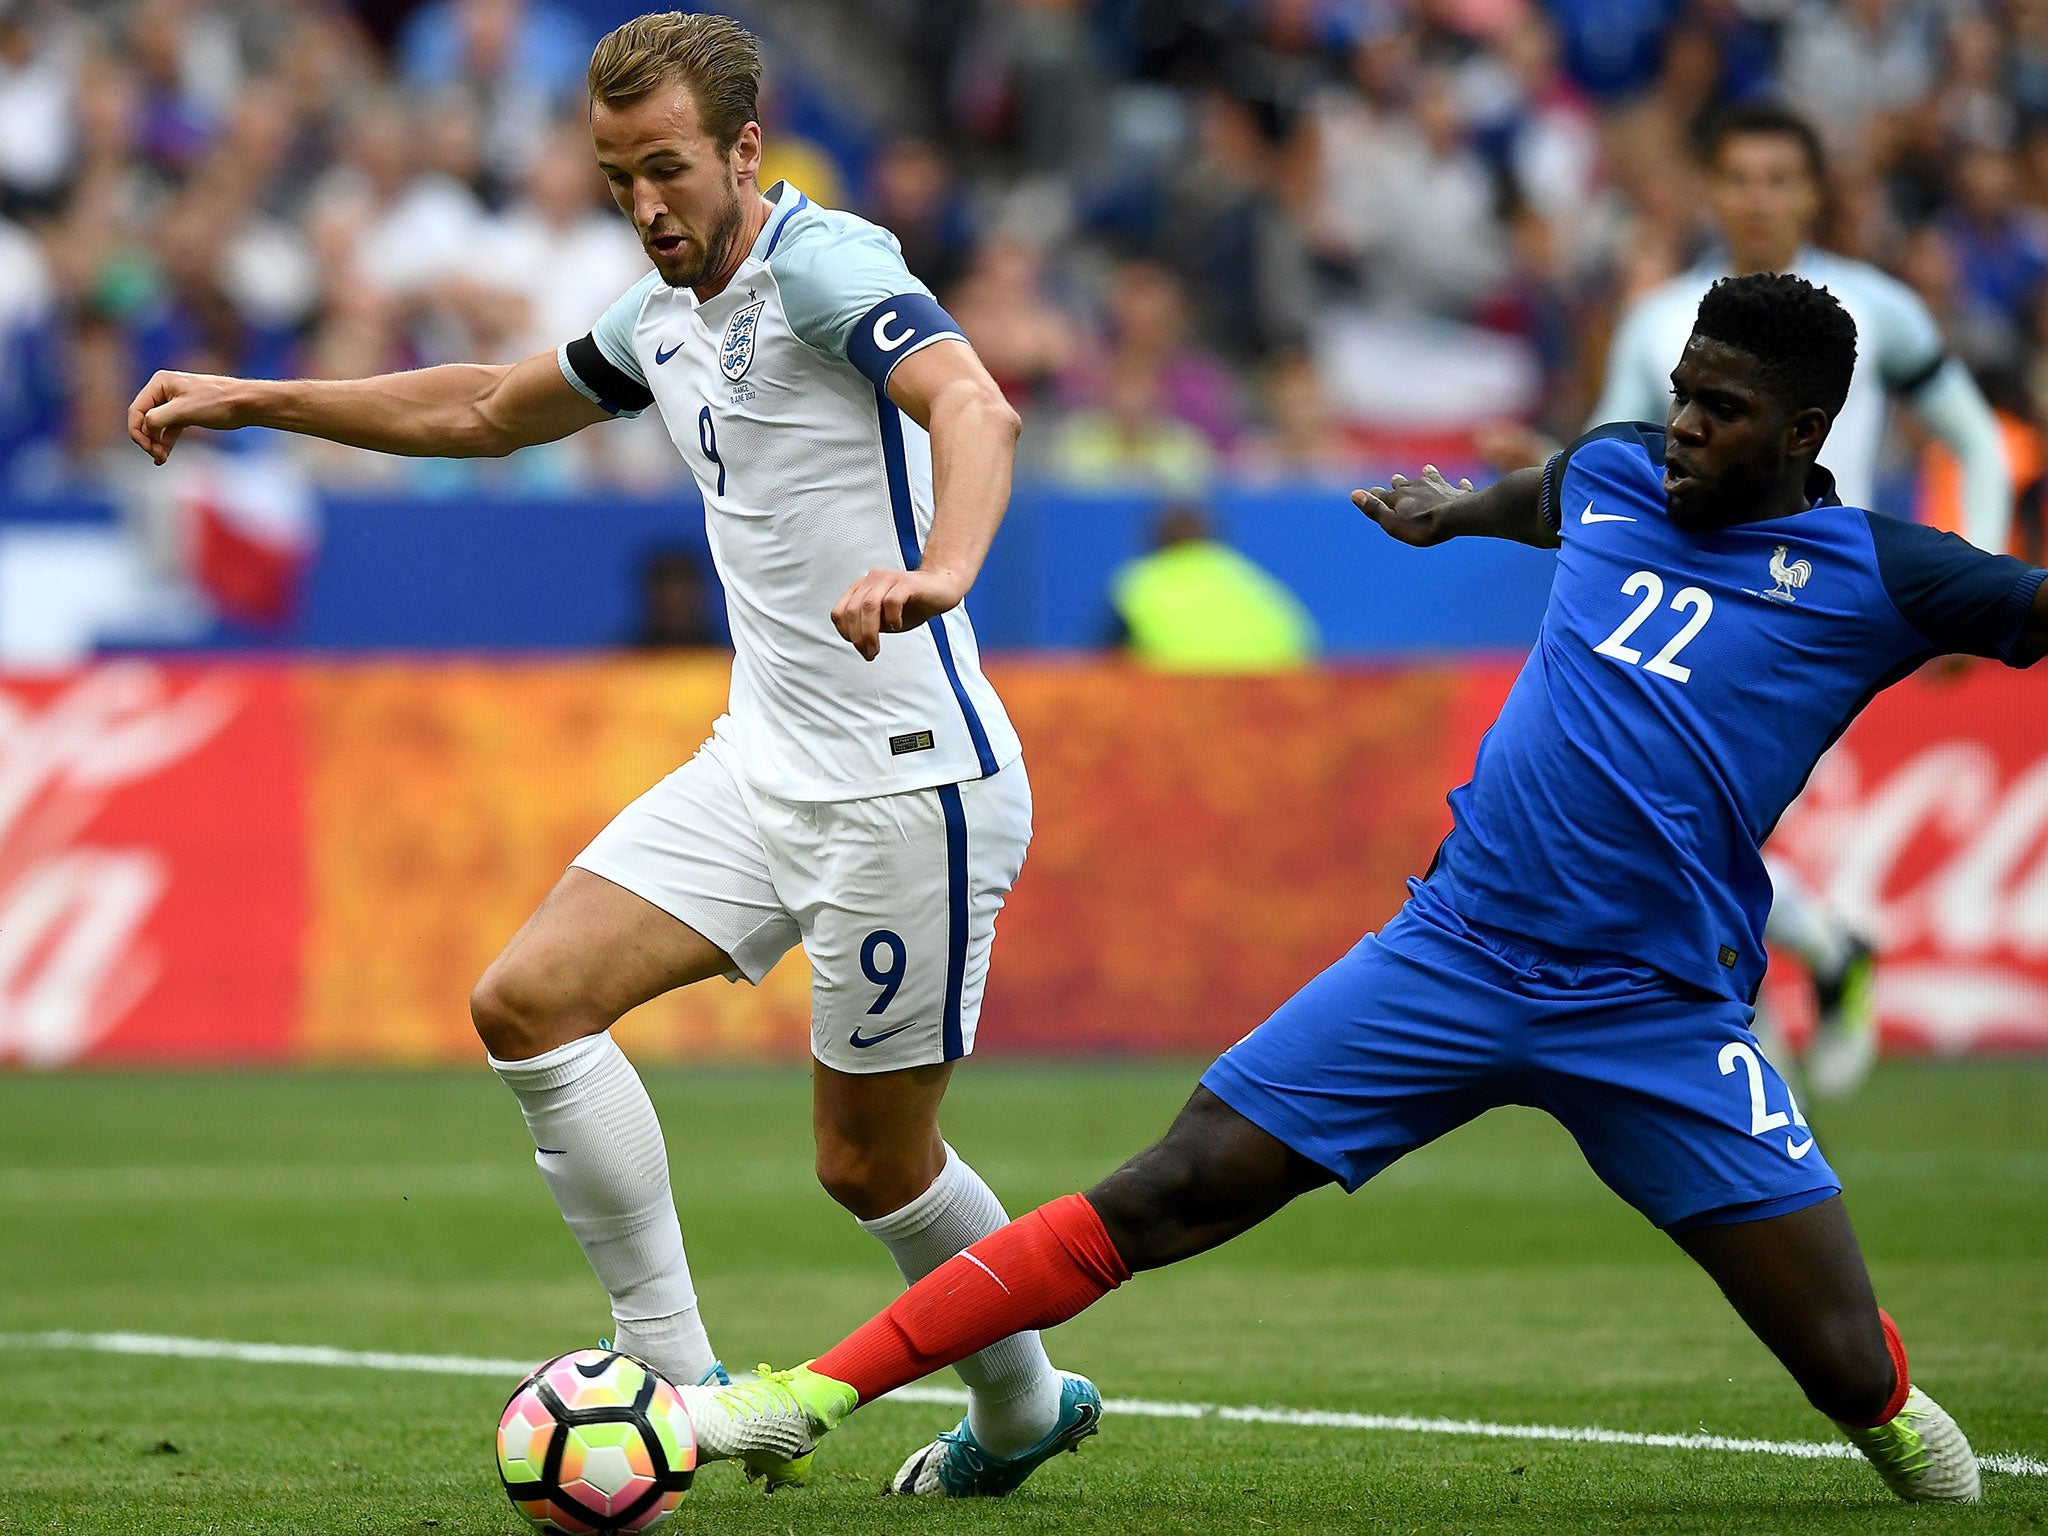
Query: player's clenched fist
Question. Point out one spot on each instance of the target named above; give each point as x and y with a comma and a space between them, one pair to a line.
171, 402
1408, 509
889, 602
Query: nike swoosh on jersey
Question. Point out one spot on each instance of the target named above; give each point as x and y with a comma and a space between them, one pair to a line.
1590, 516
860, 1043
1796, 1153
661, 357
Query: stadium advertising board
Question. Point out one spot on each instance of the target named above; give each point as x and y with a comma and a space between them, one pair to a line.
313, 862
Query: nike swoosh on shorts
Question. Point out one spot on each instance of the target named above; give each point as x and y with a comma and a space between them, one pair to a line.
860, 1044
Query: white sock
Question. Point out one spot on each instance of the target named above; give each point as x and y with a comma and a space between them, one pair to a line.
599, 1146
1013, 1391
1800, 922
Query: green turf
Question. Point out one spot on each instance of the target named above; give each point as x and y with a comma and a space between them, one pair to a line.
1489, 1276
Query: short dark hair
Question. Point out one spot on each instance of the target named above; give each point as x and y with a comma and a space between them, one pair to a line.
1800, 335
1765, 117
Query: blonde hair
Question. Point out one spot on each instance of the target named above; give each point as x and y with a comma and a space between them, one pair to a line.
717, 58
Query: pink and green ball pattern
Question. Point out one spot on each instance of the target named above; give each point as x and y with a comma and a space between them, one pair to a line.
595, 1442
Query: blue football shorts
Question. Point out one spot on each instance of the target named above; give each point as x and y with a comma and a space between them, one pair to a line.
1436, 1019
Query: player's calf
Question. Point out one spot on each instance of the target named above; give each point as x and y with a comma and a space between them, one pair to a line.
1213, 1175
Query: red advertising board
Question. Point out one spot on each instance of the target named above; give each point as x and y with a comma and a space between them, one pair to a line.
1927, 828
151, 864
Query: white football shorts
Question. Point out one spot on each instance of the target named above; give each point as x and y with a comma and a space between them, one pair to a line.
893, 898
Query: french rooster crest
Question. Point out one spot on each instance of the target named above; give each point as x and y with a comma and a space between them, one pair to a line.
1788, 575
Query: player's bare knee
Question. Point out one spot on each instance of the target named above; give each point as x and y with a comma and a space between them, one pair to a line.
515, 1020
871, 1182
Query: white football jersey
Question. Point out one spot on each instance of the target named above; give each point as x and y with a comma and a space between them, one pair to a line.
774, 394
1898, 349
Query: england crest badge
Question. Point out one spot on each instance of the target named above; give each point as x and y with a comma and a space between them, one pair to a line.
736, 352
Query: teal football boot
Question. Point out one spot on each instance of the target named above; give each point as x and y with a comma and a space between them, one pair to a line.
956, 1466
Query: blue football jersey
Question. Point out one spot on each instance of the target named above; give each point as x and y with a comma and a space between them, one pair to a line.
1680, 691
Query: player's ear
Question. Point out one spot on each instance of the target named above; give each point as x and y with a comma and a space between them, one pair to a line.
1805, 431
746, 153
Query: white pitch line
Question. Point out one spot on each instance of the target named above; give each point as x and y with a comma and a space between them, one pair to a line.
2013, 1464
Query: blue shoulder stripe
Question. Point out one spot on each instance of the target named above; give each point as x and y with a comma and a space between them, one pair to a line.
802, 202
898, 473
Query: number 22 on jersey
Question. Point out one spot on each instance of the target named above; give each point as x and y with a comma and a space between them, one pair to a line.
1696, 603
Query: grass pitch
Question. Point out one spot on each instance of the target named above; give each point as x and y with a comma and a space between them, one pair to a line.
1488, 1277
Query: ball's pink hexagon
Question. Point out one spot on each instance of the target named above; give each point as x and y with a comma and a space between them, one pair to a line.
524, 1434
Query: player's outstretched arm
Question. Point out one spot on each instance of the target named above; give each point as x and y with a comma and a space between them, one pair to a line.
945, 390
1431, 509
458, 411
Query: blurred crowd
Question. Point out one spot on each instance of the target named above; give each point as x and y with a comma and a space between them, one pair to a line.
1269, 238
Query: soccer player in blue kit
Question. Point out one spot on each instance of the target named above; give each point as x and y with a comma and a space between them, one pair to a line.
1588, 939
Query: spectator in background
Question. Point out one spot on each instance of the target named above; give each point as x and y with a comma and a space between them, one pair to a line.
915, 200
1408, 205
515, 61
189, 63
675, 609
1973, 106
1442, 247
93, 447
1847, 61
1613, 48
1231, 233
268, 273
38, 92
1131, 441
1196, 605
2000, 244
1024, 339
1147, 333
1026, 78
1299, 439
31, 406
1538, 120
2026, 69
382, 222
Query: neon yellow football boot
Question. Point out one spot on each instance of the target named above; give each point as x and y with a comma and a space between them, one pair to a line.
769, 1422
1921, 1454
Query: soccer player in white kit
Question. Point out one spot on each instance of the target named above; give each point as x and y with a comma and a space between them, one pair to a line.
864, 795
1766, 178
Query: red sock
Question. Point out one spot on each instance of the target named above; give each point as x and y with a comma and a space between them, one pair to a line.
1901, 1385
1037, 1272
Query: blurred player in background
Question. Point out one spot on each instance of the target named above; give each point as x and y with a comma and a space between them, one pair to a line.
1766, 181
1589, 938
864, 796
